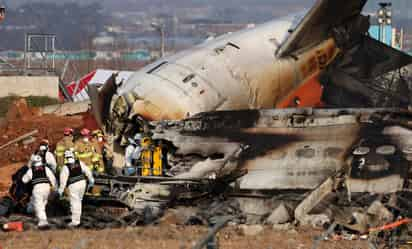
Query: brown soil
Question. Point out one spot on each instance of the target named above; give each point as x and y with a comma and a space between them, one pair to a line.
21, 120
166, 236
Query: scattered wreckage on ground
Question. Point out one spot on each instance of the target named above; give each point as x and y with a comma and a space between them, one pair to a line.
346, 167
316, 166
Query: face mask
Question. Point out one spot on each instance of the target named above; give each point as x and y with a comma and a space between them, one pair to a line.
86, 139
43, 148
70, 160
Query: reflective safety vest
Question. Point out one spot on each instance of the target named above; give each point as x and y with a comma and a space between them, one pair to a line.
158, 161
146, 158
39, 175
84, 152
76, 173
152, 161
97, 162
65, 144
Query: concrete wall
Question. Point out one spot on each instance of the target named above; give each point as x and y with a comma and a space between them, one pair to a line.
29, 85
69, 108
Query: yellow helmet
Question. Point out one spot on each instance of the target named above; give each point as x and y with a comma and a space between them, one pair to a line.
97, 133
146, 141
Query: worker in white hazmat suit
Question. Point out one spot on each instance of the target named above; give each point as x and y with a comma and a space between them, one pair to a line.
41, 178
47, 157
132, 155
73, 175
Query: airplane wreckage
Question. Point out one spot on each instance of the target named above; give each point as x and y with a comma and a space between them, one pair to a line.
218, 108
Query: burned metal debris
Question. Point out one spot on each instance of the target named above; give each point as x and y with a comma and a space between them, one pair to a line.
348, 167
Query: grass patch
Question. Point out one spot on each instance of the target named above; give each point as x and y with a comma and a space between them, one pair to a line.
32, 101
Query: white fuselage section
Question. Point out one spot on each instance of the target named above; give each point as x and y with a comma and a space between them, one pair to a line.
235, 71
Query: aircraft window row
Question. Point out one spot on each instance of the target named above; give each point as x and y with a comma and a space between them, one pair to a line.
308, 152
385, 150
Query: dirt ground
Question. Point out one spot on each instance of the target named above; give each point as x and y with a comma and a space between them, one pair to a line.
167, 236
50, 127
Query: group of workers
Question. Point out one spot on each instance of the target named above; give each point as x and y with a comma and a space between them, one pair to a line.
145, 156
72, 166
76, 162
90, 148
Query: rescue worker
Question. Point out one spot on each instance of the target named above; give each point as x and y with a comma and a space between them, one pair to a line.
65, 144
160, 159
73, 175
98, 141
146, 156
103, 149
87, 153
48, 158
132, 155
41, 177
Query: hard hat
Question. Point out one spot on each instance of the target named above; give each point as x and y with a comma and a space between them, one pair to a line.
137, 137
68, 131
36, 160
85, 132
70, 160
43, 147
68, 154
44, 142
146, 141
97, 133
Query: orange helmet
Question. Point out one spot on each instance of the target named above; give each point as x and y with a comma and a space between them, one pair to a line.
85, 132
68, 131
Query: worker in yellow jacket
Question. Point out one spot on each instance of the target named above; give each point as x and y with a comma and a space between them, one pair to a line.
87, 153
63, 145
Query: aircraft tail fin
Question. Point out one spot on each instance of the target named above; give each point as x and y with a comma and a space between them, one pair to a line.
362, 72
322, 20
371, 58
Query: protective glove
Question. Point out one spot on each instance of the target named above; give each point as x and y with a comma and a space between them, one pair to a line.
90, 186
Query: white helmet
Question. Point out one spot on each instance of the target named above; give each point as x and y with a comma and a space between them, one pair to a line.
70, 160
68, 154
43, 148
36, 160
137, 137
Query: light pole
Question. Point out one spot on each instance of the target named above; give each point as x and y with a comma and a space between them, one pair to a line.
384, 18
161, 29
